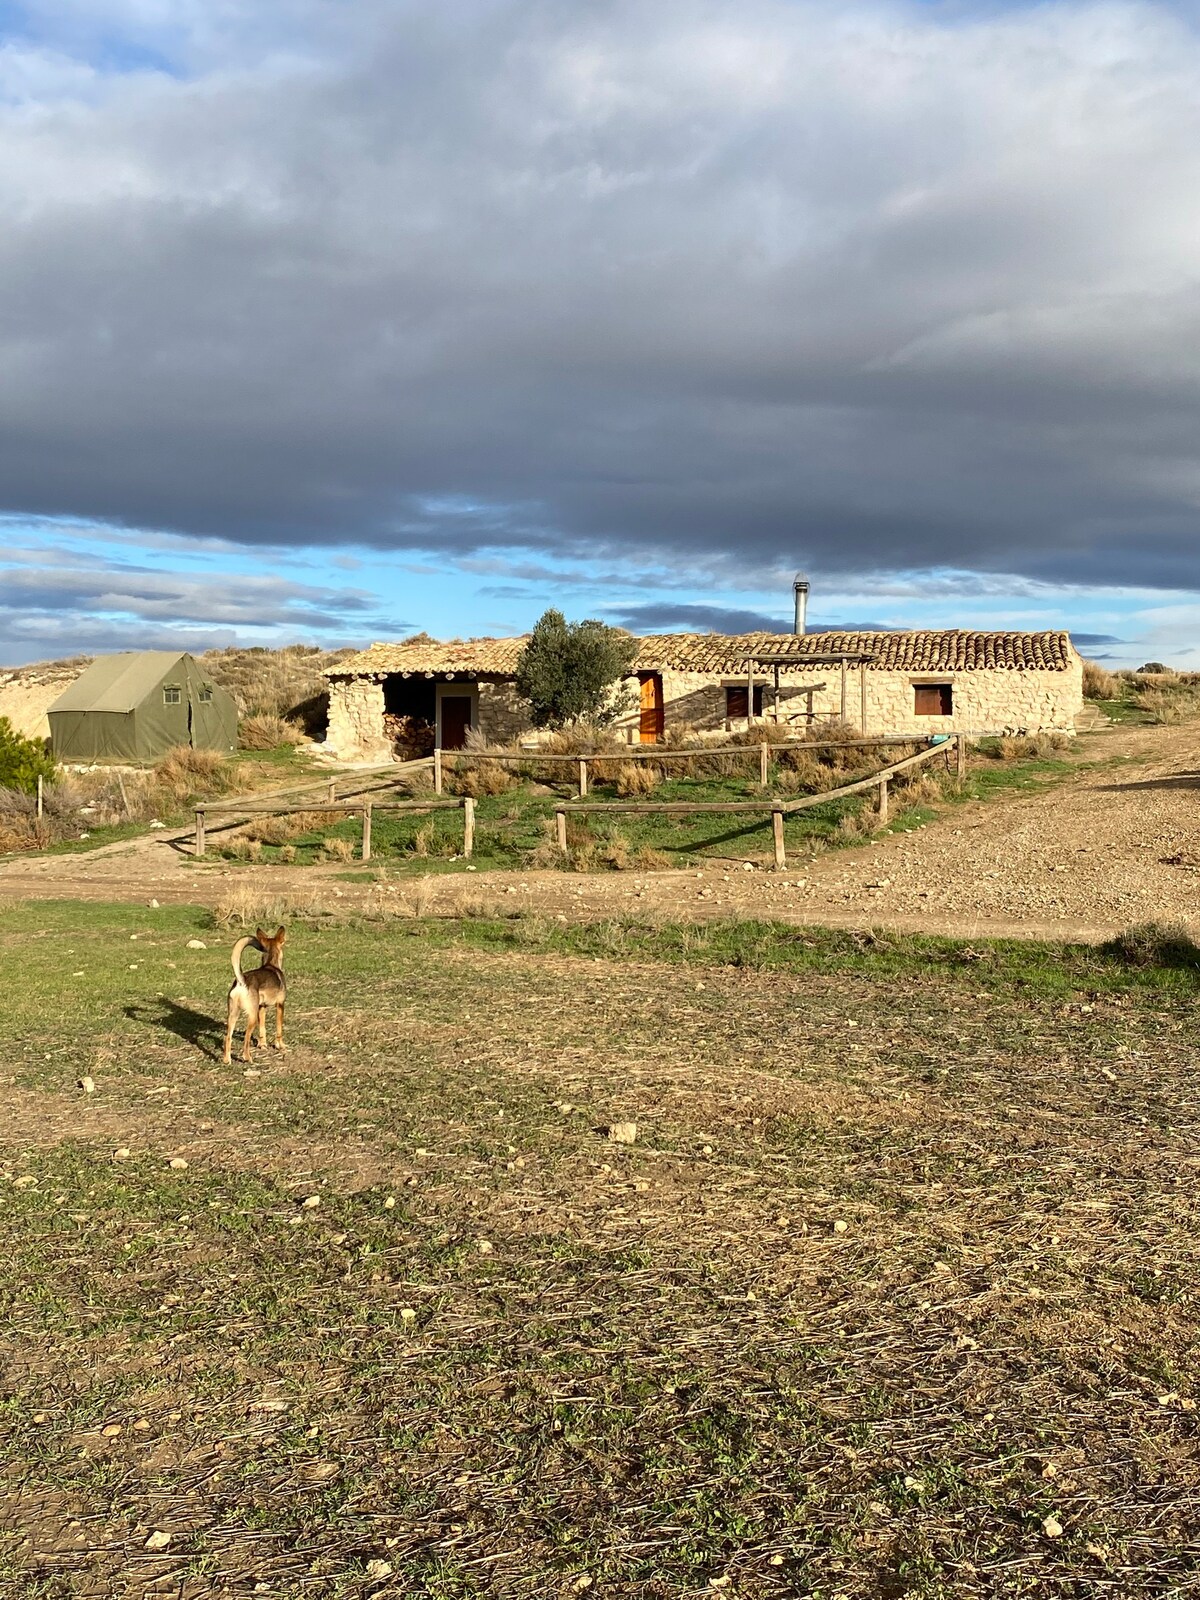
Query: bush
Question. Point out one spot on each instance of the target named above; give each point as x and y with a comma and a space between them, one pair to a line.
568, 669
265, 731
23, 761
187, 774
1099, 683
481, 779
636, 777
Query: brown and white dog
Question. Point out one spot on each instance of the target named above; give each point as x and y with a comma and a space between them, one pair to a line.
254, 991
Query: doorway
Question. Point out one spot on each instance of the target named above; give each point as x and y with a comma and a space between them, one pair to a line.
454, 720
650, 699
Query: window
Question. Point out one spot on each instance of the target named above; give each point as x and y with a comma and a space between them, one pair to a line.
737, 698
172, 694
205, 695
933, 700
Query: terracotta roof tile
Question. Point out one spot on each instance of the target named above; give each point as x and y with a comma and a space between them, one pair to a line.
932, 650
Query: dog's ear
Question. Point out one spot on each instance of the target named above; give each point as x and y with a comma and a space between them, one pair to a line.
280, 934
260, 937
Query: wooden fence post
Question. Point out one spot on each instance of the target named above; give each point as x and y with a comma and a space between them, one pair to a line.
560, 829
40, 796
583, 777
468, 826
764, 756
883, 802
332, 790
199, 830
962, 758
437, 769
777, 830
366, 845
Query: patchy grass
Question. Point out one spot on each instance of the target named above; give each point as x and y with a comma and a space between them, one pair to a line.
897, 1276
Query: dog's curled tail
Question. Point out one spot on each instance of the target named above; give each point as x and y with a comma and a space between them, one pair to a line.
237, 955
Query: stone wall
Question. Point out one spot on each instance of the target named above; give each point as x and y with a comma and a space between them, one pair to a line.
995, 700
503, 715
356, 721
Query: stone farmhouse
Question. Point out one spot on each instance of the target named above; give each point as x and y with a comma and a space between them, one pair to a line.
424, 691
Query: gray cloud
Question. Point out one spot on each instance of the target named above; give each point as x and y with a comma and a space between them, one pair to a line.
50, 608
839, 286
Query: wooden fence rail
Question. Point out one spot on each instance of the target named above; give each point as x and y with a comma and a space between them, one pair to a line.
779, 809
764, 752
367, 809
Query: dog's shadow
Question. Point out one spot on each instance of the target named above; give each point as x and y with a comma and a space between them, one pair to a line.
196, 1028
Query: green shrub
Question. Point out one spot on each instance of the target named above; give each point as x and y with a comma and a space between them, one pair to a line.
23, 761
567, 670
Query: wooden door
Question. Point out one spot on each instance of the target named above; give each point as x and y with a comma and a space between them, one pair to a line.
650, 725
456, 719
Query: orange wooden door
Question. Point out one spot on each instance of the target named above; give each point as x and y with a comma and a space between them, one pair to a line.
456, 719
650, 725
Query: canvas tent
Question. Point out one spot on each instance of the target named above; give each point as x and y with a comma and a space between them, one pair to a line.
137, 706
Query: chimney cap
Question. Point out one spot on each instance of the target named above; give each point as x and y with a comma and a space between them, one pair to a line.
800, 581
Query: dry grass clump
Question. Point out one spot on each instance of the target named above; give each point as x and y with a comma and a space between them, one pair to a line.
636, 777
244, 905
1169, 698
1155, 944
1030, 746
481, 780
274, 830
265, 731
338, 849
1099, 683
187, 774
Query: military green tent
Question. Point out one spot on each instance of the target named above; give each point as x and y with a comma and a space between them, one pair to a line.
137, 706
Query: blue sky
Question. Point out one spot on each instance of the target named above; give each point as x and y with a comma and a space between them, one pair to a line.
334, 323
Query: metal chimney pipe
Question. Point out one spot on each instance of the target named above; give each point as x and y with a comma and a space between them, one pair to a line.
800, 590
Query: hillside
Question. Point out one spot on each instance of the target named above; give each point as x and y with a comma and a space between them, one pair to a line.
283, 682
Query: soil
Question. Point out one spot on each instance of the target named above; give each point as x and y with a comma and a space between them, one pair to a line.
1116, 844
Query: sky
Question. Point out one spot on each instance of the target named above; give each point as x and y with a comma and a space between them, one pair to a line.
335, 321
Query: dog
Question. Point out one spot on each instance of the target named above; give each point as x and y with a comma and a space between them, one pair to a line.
254, 991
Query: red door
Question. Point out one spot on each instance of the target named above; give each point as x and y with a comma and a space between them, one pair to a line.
456, 719
650, 724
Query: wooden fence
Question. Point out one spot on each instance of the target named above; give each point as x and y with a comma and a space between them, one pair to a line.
583, 763
779, 809
366, 808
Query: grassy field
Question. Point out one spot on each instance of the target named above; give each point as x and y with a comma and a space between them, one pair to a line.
515, 829
893, 1295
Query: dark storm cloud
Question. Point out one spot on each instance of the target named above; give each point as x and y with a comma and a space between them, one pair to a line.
838, 285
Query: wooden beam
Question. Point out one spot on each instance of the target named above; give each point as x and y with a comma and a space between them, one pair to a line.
883, 802
468, 827
199, 830
777, 835
764, 756
560, 827
437, 769
961, 763
583, 777
366, 842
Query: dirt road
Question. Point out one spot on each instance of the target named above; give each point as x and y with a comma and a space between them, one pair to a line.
1117, 844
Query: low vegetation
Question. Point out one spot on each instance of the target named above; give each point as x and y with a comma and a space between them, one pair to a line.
892, 1294
1152, 694
516, 803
